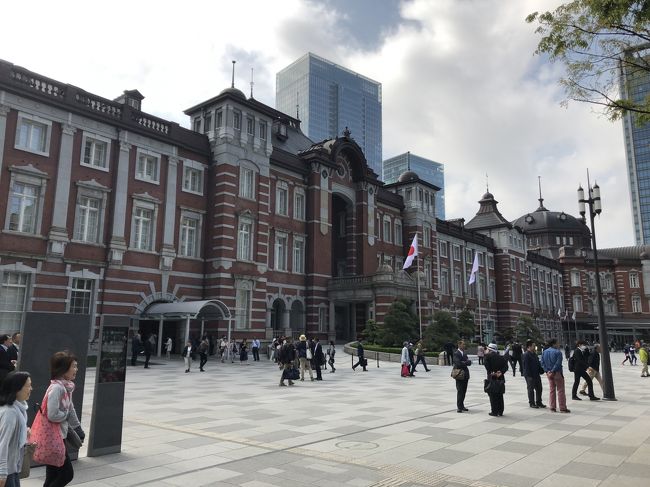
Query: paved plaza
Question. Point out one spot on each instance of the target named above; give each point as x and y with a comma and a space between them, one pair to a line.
233, 426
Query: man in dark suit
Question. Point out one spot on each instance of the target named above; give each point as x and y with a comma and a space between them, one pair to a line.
317, 354
15, 346
6, 364
461, 361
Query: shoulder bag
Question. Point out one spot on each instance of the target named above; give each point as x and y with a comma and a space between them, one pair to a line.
458, 374
50, 449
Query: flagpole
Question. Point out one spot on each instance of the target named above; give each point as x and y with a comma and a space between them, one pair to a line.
417, 273
480, 321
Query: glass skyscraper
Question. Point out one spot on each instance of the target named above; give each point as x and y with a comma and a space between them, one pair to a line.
635, 85
327, 98
426, 169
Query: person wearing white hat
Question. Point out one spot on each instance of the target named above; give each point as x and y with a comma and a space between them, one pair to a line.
304, 357
496, 366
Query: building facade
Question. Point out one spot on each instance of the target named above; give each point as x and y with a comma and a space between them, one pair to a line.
430, 171
329, 98
244, 225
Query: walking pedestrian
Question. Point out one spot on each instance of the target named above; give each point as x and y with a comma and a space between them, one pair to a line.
480, 353
532, 370
449, 352
405, 361
360, 356
331, 352
204, 347
318, 358
243, 352
626, 351
496, 366
593, 369
187, 356
461, 361
643, 356
14, 433
60, 409
419, 356
516, 358
632, 355
411, 353
136, 347
304, 357
286, 357
580, 371
168, 347
552, 364
223, 345
149, 345
255, 347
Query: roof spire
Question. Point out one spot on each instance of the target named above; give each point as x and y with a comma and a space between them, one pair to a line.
297, 105
252, 82
540, 199
232, 84
487, 183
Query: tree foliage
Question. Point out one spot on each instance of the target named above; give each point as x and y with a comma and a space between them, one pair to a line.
466, 325
443, 329
527, 330
371, 332
399, 325
595, 40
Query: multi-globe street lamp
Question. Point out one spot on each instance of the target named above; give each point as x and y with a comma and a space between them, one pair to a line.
595, 208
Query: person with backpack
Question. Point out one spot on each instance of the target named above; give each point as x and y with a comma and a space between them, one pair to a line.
626, 351
578, 365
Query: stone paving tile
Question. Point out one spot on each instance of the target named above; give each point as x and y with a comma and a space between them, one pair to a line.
511, 480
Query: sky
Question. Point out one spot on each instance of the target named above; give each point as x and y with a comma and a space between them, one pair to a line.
461, 84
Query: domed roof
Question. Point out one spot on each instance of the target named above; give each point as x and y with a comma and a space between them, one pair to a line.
408, 176
234, 92
487, 196
543, 220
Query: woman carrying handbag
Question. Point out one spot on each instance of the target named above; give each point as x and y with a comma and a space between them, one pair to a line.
14, 433
57, 421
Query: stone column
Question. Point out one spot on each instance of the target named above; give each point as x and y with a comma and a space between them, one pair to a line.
286, 324
168, 250
331, 331
118, 244
268, 328
58, 236
4, 111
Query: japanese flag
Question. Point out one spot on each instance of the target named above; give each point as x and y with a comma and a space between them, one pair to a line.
413, 252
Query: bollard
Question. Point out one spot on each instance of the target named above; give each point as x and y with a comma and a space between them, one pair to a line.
377, 355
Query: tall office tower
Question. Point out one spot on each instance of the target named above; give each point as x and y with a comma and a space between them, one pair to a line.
426, 169
327, 98
635, 85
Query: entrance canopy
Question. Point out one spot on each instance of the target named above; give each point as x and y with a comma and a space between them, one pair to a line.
211, 309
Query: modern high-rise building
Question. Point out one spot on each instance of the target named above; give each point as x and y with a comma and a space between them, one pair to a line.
426, 169
635, 86
327, 98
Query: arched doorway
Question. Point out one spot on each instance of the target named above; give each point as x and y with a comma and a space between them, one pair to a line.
296, 318
277, 315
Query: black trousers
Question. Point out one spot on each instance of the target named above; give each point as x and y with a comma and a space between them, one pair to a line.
59, 476
448, 357
316, 367
534, 385
582, 374
134, 359
461, 390
513, 365
204, 360
361, 361
420, 358
147, 357
256, 354
496, 403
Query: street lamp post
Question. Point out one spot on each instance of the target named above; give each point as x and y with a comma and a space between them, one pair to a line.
595, 208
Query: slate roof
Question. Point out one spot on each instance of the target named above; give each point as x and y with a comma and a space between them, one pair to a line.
488, 215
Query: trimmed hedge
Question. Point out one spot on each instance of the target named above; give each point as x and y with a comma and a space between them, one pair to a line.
395, 350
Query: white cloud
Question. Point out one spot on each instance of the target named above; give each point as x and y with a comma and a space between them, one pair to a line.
460, 86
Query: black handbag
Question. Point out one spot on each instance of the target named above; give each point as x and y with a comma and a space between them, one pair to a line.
291, 374
72, 441
493, 386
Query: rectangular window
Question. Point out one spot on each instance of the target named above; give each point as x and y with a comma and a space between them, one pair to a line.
444, 281
282, 199
577, 304
513, 291
197, 124
443, 249
81, 295
243, 309
634, 280
468, 256
427, 275
13, 300
575, 278
458, 290
263, 130
341, 224
427, 237
219, 119
247, 183
299, 205
322, 319
281, 251
298, 255
189, 241
143, 228
513, 264
250, 126
32, 135
456, 250
398, 233
147, 168
636, 304
481, 259
244, 241
23, 207
95, 153
492, 290
236, 120
192, 180
87, 220
207, 125
387, 231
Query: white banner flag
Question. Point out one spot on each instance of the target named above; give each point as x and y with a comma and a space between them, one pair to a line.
472, 276
573, 316
413, 252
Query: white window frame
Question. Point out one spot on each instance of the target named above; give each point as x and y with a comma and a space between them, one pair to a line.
245, 190
143, 204
94, 190
577, 303
443, 249
192, 250
457, 255
95, 139
189, 168
236, 120
426, 238
299, 204
398, 233
444, 281
298, 255
250, 125
280, 188
245, 226
85, 291
243, 304
387, 230
27, 175
263, 126
33, 120
322, 318
151, 157
5, 273
575, 278
636, 304
281, 251
634, 279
